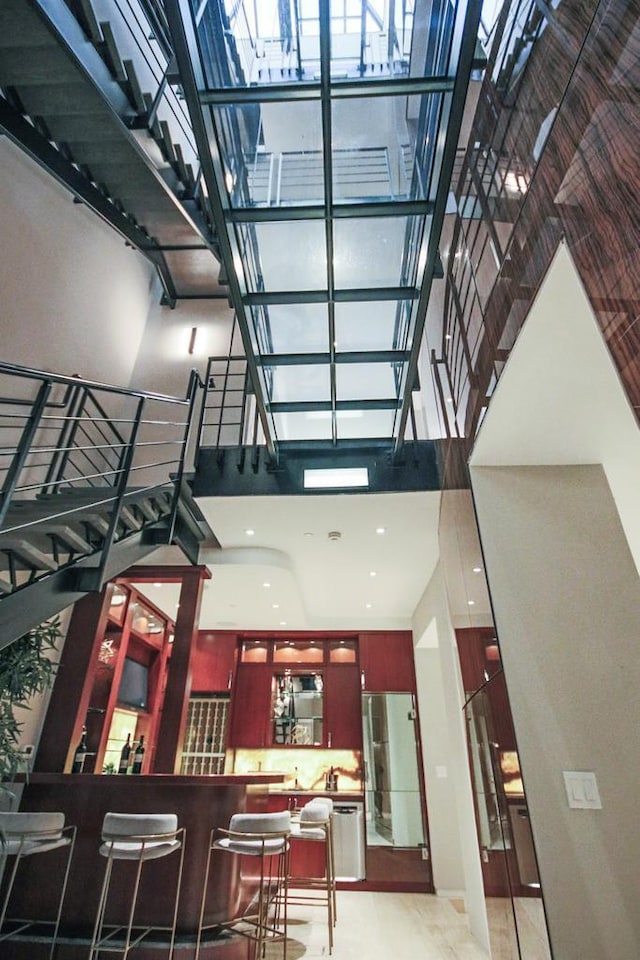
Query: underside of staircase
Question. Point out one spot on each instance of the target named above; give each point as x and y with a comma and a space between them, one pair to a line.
90, 95
51, 547
92, 480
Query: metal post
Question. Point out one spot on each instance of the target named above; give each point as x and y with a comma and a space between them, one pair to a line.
24, 448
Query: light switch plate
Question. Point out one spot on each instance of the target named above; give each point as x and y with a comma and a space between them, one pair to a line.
582, 790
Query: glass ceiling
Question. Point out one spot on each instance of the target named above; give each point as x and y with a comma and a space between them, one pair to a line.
322, 131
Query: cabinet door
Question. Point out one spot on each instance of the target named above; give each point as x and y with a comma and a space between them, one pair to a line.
343, 720
213, 662
250, 703
386, 661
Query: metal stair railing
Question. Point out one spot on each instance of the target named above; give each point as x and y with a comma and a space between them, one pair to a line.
83, 466
229, 414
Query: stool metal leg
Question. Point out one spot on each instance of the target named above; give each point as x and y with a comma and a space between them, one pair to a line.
25, 923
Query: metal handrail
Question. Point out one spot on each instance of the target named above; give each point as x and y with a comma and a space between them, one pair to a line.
101, 453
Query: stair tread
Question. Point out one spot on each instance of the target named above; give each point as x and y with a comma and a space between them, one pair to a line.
27, 551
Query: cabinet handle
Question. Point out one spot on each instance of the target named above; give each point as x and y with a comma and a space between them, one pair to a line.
329, 739
362, 679
229, 679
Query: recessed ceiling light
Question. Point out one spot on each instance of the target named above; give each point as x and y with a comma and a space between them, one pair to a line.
266, 584
157, 584
283, 623
381, 530
276, 606
250, 532
368, 606
373, 573
308, 534
477, 569
471, 603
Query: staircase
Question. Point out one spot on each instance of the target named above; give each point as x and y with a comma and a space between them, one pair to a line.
92, 480
87, 89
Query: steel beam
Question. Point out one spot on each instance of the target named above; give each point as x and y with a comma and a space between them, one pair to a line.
338, 211
340, 90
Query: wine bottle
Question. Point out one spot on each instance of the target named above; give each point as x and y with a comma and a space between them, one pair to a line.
80, 755
138, 757
125, 755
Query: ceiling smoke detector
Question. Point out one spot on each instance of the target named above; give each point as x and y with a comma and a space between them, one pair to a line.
334, 535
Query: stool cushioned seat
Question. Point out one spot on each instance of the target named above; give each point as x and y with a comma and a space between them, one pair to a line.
137, 837
26, 834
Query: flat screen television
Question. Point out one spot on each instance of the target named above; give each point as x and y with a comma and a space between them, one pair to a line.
134, 684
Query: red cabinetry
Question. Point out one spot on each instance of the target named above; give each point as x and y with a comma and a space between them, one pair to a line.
343, 716
213, 662
386, 661
250, 706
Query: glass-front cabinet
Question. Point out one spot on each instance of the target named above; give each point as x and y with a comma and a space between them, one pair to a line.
296, 709
126, 681
310, 689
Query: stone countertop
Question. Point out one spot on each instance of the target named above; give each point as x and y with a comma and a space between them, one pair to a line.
149, 779
320, 792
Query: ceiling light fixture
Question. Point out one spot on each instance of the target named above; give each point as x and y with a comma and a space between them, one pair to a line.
276, 606
368, 606
249, 532
477, 569
266, 584
373, 573
381, 530
471, 603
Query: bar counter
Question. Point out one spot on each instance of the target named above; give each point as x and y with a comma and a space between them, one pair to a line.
200, 802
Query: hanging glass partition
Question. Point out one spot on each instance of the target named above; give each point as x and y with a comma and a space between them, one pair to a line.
515, 911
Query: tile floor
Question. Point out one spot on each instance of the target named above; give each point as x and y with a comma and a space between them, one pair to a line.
382, 926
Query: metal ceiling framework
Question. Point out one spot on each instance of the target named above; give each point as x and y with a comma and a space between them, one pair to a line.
458, 27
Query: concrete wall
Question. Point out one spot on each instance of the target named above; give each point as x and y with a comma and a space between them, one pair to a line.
74, 298
566, 597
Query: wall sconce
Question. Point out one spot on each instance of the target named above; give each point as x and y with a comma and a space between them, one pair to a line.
192, 340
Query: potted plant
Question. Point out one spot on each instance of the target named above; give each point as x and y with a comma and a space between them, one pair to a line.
26, 669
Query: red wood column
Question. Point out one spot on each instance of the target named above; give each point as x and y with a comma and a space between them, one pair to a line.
72, 688
176, 695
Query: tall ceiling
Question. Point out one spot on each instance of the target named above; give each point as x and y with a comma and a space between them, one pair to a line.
356, 579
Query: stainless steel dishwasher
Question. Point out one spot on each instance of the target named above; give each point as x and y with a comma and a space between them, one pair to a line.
348, 840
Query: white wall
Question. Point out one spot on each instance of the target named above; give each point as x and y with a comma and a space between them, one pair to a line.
566, 596
74, 298
164, 363
453, 839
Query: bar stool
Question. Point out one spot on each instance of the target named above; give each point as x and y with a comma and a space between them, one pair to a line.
314, 823
139, 838
264, 836
26, 835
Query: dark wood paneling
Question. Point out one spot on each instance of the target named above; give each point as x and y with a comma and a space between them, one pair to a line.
390, 869
584, 189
